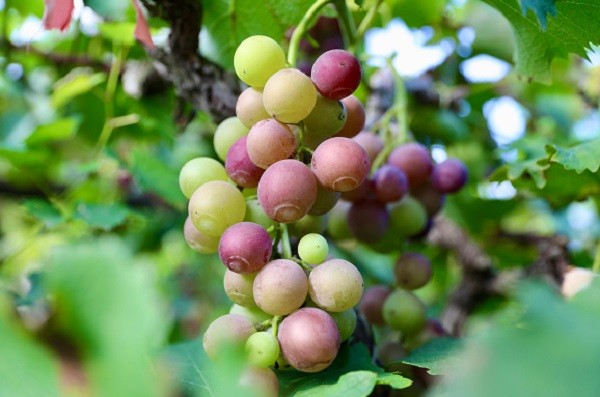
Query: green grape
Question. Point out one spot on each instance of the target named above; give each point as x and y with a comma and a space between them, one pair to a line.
407, 217
337, 224
309, 224
289, 96
335, 285
254, 314
215, 206
262, 349
404, 311
327, 117
256, 59
313, 248
255, 213
227, 133
346, 323
198, 171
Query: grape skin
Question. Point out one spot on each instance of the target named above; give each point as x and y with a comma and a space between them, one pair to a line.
414, 160
313, 248
355, 119
371, 142
340, 164
256, 59
407, 217
280, 287
404, 311
238, 288
245, 247
254, 314
335, 285
389, 184
262, 349
327, 117
249, 107
371, 303
346, 323
368, 220
449, 176
325, 201
215, 206
240, 167
261, 381
412, 270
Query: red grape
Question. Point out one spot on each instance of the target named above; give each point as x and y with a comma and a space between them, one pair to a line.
414, 159
336, 74
240, 167
245, 247
340, 164
449, 176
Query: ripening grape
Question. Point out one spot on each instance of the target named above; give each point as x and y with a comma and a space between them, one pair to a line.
371, 142
255, 214
337, 224
249, 107
254, 314
238, 288
199, 242
362, 192
313, 248
245, 247
227, 133
407, 217
335, 285
198, 171
412, 270
287, 190
346, 323
336, 74
227, 331
240, 167
449, 176
368, 220
308, 224
270, 141
260, 382
289, 96
256, 59
404, 311
309, 339
327, 117
371, 303
262, 349
325, 201
355, 119
340, 164
280, 287
414, 159
389, 184
432, 200
215, 206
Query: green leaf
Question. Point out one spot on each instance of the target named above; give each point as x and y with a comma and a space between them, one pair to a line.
77, 82
352, 374
581, 157
572, 31
58, 130
153, 175
226, 23
103, 216
110, 9
44, 211
541, 8
438, 355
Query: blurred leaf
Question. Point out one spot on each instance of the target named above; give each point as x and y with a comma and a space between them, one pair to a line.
103, 216
352, 374
110, 9
58, 130
44, 211
541, 9
418, 13
572, 31
77, 82
155, 176
581, 157
122, 33
438, 355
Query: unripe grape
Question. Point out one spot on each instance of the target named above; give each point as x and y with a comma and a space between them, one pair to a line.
412, 270
254, 314
199, 242
449, 176
245, 247
287, 190
346, 323
256, 59
215, 206
414, 159
336, 74
289, 96
335, 285
238, 288
240, 167
262, 349
340, 164
198, 171
404, 311
313, 248
256, 214
261, 381
325, 201
355, 118
249, 108
407, 217
371, 142
227, 133
309, 339
280, 287
327, 117
389, 184
337, 224
371, 303
270, 141
368, 220
308, 224
230, 330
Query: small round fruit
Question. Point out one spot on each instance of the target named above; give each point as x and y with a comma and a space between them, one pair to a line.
262, 349
254, 314
238, 288
280, 287
256, 59
240, 167
260, 381
371, 303
412, 270
215, 206
249, 108
227, 133
198, 241
346, 323
289, 96
404, 311
449, 176
313, 248
355, 118
228, 331
414, 159
340, 164
335, 285
336, 74
245, 247
270, 141
198, 171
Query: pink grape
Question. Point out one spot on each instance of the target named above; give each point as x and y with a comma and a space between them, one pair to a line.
414, 159
389, 184
355, 117
336, 74
449, 176
371, 142
198, 241
280, 287
340, 164
245, 247
240, 167
270, 141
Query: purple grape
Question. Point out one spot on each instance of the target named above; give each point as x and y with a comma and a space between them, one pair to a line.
449, 176
371, 303
362, 192
389, 184
412, 270
336, 74
239, 167
368, 220
245, 247
414, 159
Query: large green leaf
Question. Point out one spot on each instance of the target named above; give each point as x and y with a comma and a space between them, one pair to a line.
438, 355
228, 22
572, 31
103, 216
77, 82
581, 157
59, 130
541, 9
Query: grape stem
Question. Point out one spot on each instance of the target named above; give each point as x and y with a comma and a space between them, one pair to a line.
275, 324
285, 240
301, 29
304, 265
366, 22
347, 23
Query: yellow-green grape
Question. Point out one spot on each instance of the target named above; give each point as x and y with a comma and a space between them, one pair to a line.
255, 213
253, 314
262, 349
313, 248
227, 133
238, 288
256, 59
335, 285
289, 96
215, 206
197, 241
405, 312
407, 217
198, 171
327, 117
226, 332
249, 108
346, 323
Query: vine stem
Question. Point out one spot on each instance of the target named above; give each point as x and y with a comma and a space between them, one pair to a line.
596, 264
301, 29
285, 240
347, 22
365, 24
